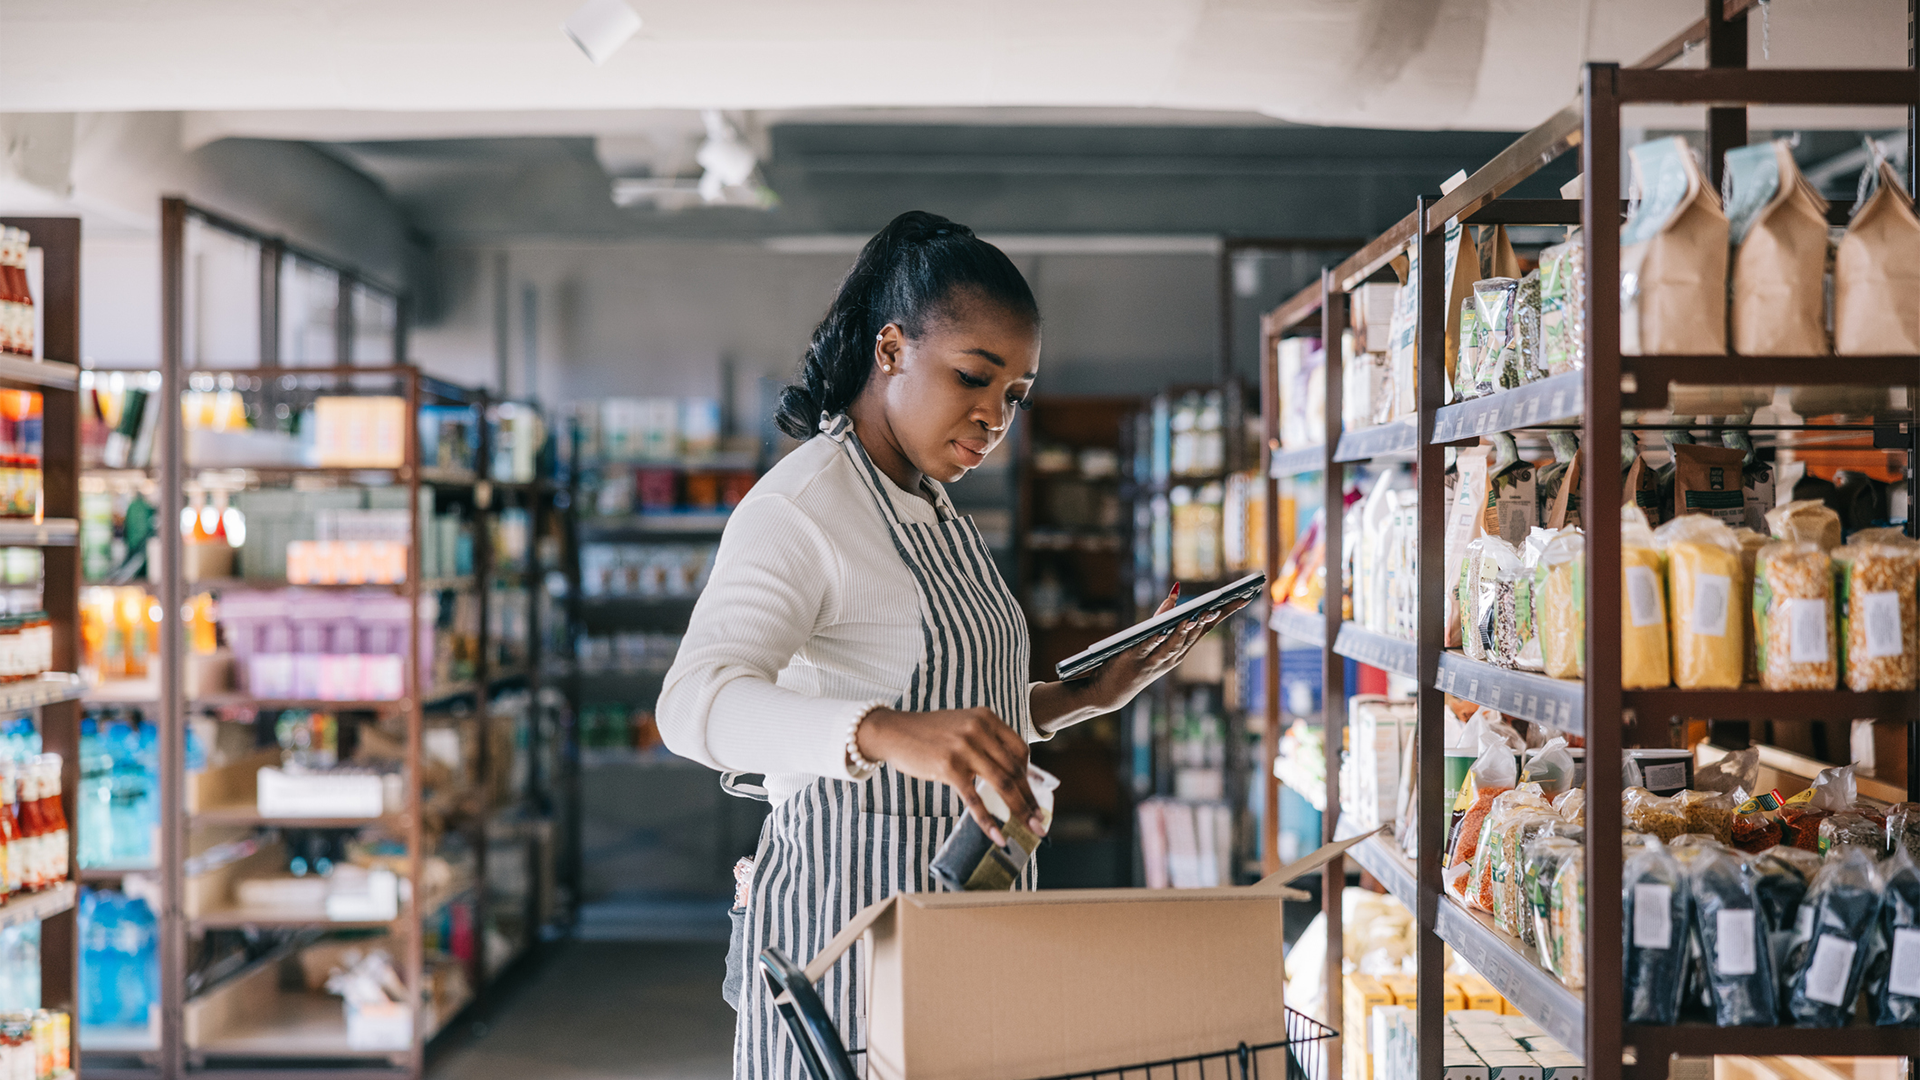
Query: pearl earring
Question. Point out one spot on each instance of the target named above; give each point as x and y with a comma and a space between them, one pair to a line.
888, 368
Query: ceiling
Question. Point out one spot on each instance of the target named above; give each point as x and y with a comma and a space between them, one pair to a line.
358, 68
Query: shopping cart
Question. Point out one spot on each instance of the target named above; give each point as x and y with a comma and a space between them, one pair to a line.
1303, 1056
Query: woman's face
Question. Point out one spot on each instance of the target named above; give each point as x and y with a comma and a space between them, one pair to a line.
951, 393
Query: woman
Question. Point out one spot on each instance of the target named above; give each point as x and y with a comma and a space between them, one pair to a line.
854, 643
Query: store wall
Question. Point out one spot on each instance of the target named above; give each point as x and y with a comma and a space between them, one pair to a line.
666, 318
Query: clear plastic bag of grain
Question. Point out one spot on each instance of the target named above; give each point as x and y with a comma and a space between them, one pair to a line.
1703, 572
1707, 813
1655, 815
1806, 519
1793, 617
1903, 829
1849, 829
1750, 544
1874, 598
1560, 604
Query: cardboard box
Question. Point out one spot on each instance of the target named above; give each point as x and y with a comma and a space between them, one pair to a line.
1111, 977
1481, 994
1364, 994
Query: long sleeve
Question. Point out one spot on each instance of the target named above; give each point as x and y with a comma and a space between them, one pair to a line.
770, 591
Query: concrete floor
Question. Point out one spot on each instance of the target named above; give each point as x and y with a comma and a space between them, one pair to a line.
602, 1010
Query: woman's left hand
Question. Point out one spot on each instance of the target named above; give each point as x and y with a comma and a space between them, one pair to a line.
1119, 679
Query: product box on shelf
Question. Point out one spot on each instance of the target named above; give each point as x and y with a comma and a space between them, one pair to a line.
360, 432
330, 794
1202, 972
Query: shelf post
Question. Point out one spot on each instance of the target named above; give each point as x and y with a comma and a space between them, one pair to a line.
1429, 283
173, 765
1333, 672
1270, 674
1600, 503
1726, 48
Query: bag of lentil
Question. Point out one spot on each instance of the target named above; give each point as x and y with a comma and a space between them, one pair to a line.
1874, 599
1755, 829
1831, 792
1567, 899
1493, 773
1893, 976
1707, 813
1655, 815
1560, 604
1834, 939
1732, 936
1849, 829
1643, 610
1703, 565
1653, 898
1543, 856
1793, 617
1507, 806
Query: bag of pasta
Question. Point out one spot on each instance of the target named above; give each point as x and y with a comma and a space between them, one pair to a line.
1874, 599
1828, 961
1703, 565
1643, 610
1732, 935
1567, 898
1793, 617
1832, 792
1510, 912
1560, 604
1707, 813
1656, 815
1543, 857
1653, 897
1893, 976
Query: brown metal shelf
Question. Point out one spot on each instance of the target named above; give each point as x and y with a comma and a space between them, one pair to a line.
1752, 703
1645, 380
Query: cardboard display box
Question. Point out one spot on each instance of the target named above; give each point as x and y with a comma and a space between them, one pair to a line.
965, 986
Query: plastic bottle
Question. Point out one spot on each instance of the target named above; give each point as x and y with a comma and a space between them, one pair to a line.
18, 788
139, 980
54, 812
98, 970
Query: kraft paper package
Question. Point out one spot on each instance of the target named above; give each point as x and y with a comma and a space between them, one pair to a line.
1643, 610
1703, 572
1778, 224
1673, 257
1710, 480
1876, 272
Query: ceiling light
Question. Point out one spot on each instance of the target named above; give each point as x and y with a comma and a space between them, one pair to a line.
600, 27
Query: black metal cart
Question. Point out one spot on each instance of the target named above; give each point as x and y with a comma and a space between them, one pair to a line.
1302, 1056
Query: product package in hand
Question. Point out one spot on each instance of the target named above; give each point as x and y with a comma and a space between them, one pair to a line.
970, 861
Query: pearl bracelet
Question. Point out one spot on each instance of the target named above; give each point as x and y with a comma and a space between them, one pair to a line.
859, 765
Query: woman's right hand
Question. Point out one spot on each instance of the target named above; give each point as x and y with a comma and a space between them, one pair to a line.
953, 747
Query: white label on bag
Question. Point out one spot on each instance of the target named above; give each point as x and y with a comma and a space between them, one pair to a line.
1643, 596
1827, 974
1652, 916
1709, 616
1879, 612
1664, 777
1733, 942
1803, 923
1903, 978
1806, 631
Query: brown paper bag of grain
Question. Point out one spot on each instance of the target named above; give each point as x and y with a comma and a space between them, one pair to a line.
1876, 275
1463, 269
1673, 258
1779, 226
1496, 254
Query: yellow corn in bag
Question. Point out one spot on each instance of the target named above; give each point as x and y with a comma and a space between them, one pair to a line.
1703, 577
1643, 607
1560, 604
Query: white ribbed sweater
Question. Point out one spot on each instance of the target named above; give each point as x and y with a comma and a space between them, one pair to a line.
808, 618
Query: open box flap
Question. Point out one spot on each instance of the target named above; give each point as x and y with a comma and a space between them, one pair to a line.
1272, 886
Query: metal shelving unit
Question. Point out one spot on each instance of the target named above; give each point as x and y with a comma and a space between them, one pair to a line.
1590, 402
305, 1035
54, 699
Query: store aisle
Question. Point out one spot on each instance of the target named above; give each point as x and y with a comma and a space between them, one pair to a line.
604, 1011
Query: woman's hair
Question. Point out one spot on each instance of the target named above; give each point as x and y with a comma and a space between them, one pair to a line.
907, 275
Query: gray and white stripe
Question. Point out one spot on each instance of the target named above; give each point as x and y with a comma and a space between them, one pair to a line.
836, 847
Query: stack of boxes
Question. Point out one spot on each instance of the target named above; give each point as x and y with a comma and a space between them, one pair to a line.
321, 646
1379, 730
1380, 1032
302, 536
1479, 1045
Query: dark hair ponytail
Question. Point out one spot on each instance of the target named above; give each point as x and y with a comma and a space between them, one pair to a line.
905, 275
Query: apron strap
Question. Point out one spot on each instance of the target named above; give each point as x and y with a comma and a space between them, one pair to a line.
730, 783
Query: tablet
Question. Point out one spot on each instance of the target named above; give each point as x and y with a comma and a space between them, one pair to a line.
1105, 649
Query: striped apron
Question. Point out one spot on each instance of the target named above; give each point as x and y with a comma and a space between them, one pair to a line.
837, 846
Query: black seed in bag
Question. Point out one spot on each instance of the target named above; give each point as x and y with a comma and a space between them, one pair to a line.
1893, 979
1654, 922
1732, 935
1834, 940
